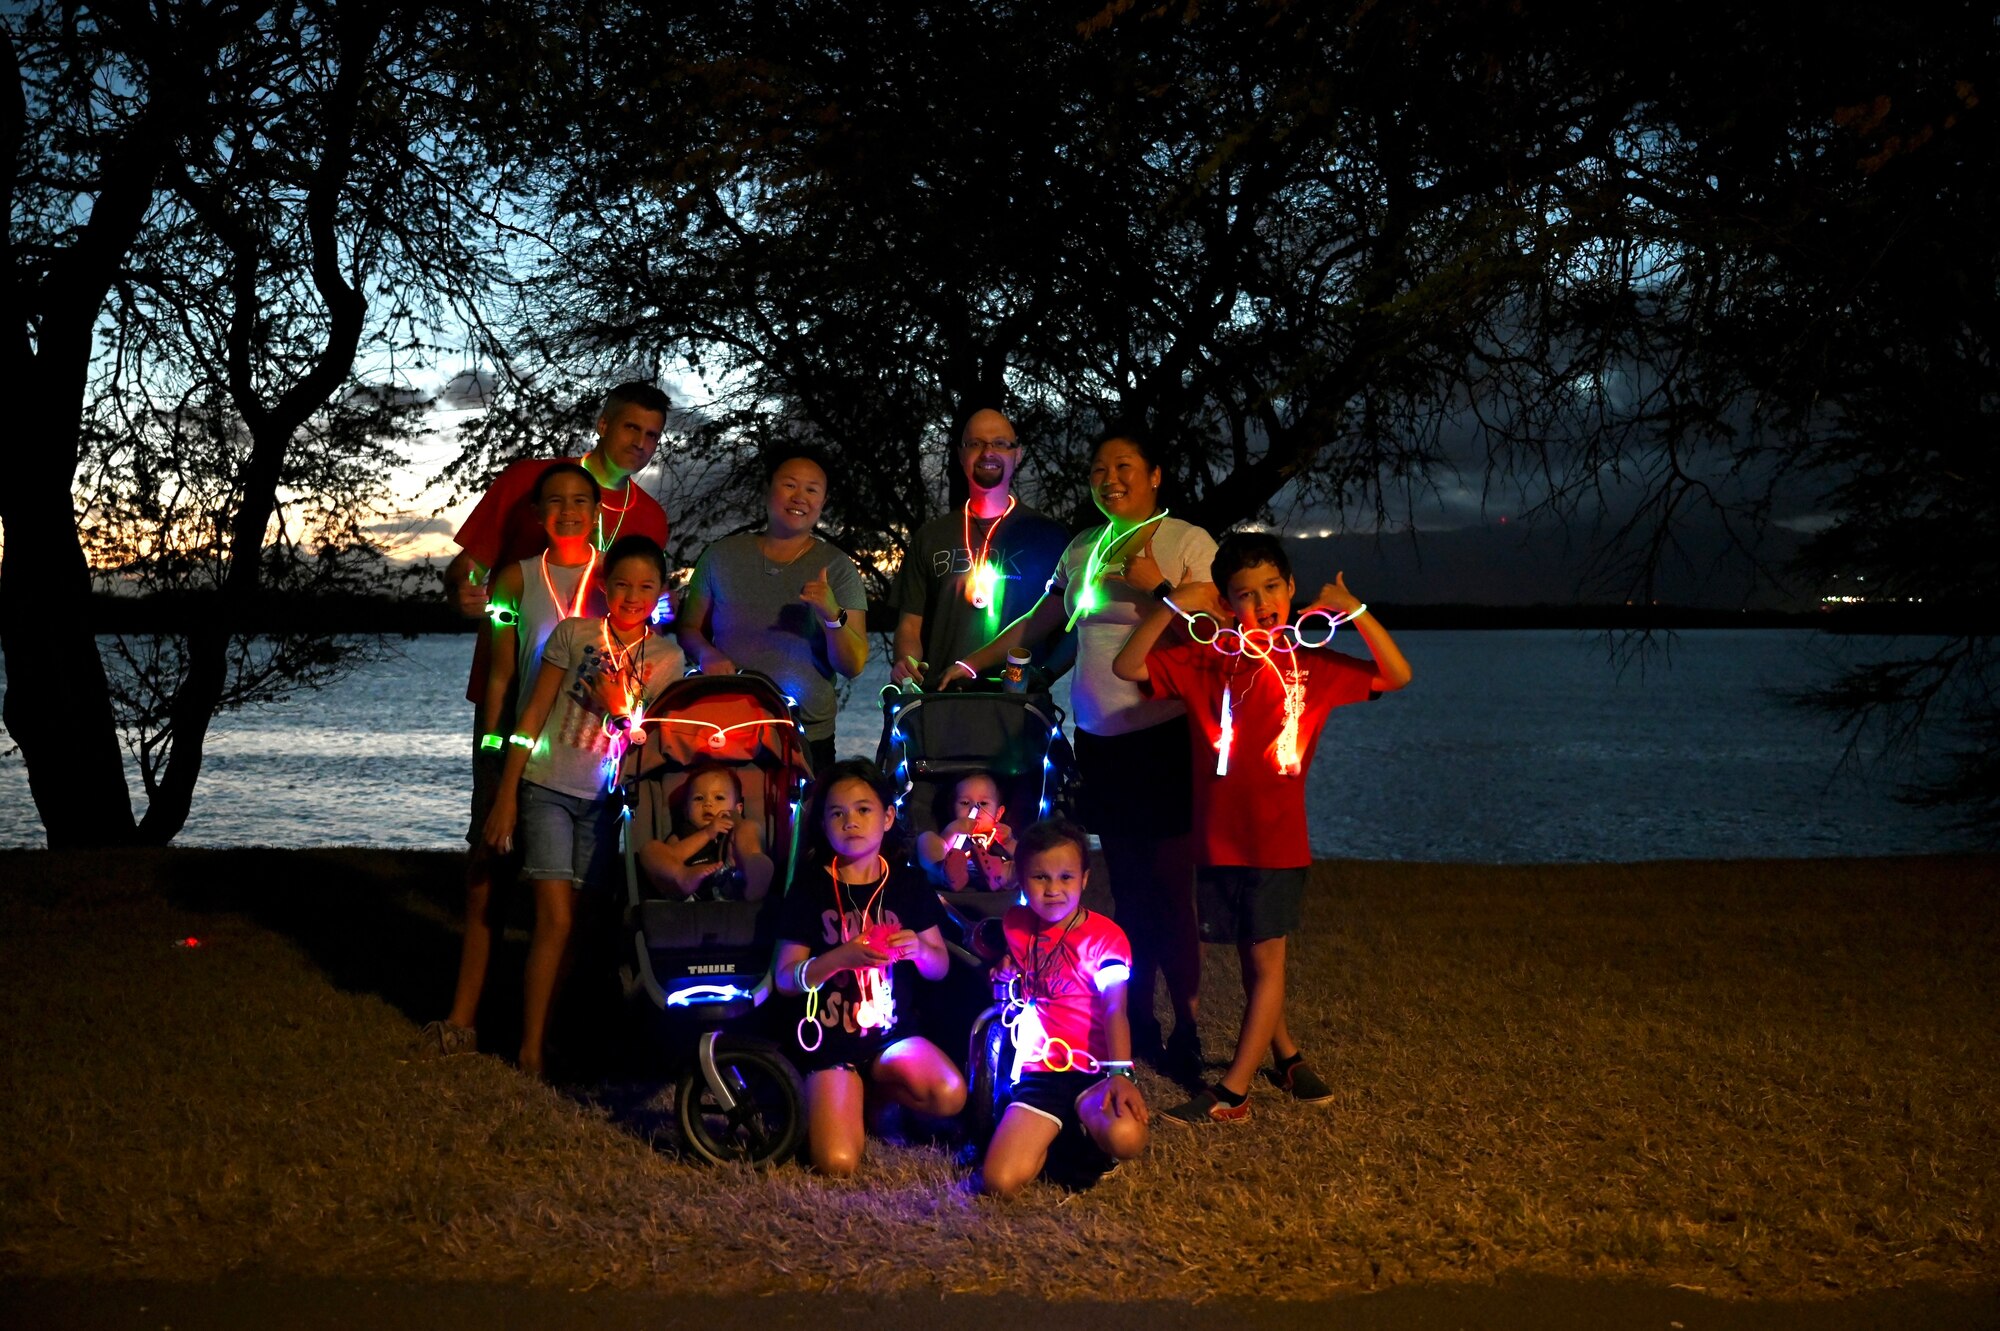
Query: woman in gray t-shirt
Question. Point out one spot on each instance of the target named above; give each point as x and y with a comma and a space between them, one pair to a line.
782, 602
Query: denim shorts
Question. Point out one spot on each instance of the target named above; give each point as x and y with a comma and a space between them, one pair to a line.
566, 836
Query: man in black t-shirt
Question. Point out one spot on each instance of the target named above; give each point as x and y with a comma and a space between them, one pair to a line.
971, 572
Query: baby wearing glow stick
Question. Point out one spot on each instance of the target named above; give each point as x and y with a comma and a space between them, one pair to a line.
1258, 693
975, 849
1073, 1087
853, 936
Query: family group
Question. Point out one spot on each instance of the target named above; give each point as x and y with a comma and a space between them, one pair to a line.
1199, 692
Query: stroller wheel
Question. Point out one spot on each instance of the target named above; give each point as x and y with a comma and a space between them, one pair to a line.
767, 1121
986, 1066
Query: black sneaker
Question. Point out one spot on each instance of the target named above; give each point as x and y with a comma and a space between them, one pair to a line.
1207, 1108
1301, 1083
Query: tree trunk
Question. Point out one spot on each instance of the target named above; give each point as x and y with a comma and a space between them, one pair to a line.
58, 703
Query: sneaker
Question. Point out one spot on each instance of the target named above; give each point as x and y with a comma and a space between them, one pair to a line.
1182, 1060
1301, 1083
441, 1039
1208, 1108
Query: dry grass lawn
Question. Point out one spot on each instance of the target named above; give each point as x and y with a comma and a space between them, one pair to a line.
1765, 1079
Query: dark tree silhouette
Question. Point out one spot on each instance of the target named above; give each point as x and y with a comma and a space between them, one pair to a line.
1632, 268
213, 209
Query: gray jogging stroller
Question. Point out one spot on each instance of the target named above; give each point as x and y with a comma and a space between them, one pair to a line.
703, 966
929, 742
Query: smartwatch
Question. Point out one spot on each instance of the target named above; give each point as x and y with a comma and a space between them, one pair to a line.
839, 621
1163, 591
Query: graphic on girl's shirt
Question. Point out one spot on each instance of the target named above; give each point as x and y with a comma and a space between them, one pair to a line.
863, 1000
587, 714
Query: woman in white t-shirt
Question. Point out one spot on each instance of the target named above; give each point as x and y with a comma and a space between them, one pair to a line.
1144, 824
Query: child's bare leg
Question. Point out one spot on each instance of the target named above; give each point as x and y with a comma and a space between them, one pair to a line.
757, 874
1019, 1149
665, 871
834, 1131
1263, 1009
1120, 1136
1282, 1044
548, 956
1152, 882
916, 1074
476, 951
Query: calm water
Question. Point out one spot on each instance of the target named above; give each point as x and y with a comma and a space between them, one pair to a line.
1510, 747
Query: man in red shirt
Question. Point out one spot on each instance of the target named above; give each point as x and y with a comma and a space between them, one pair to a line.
1257, 694
504, 528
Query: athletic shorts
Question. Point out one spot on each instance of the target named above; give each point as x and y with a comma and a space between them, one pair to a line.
1055, 1096
566, 837
1139, 784
851, 1050
1242, 905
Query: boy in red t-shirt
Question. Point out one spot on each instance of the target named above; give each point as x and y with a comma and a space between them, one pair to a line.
1073, 1082
1257, 695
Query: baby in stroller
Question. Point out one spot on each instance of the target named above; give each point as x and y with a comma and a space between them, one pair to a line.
714, 853
972, 850
713, 792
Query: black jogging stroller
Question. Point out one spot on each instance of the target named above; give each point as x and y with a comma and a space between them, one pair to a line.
930, 741
703, 967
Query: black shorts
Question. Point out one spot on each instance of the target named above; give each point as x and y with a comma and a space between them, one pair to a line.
1139, 784
839, 1049
1054, 1095
1241, 905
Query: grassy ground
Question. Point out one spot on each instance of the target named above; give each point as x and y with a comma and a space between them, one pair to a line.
1757, 1080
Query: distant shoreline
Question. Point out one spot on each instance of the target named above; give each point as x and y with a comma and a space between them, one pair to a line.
406, 618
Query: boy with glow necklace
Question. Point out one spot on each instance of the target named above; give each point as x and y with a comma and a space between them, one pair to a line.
1258, 693
1072, 1075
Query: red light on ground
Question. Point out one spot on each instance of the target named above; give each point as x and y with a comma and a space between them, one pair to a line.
187, 942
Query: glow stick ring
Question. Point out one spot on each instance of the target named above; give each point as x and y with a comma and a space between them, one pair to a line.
1224, 648
1197, 618
1048, 1059
1331, 625
1256, 642
811, 1022
1284, 638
